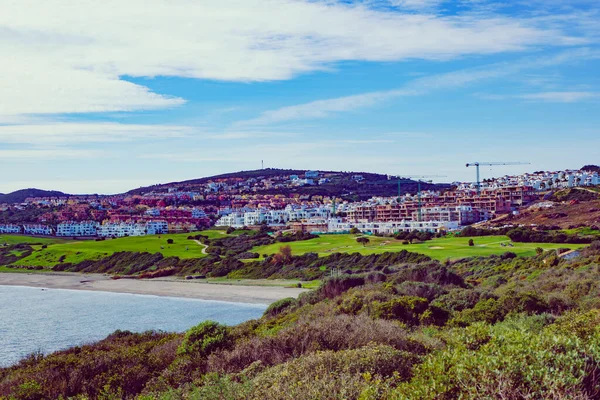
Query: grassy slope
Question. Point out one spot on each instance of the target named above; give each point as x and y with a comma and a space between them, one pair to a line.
16, 239
439, 249
77, 251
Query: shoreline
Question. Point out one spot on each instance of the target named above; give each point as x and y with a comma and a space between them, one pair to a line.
158, 287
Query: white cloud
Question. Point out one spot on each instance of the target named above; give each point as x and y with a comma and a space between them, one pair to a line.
70, 57
65, 132
326, 107
37, 155
416, 4
561, 97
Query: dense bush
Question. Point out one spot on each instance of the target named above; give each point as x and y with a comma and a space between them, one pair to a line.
118, 366
204, 338
279, 306
530, 236
513, 360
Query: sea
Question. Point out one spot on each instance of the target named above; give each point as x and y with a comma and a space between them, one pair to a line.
48, 320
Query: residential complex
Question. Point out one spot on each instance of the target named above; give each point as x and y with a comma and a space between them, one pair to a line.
282, 200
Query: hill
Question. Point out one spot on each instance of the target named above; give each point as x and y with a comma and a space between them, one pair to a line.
348, 185
564, 209
20, 195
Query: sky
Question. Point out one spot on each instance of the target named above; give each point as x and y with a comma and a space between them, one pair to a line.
106, 96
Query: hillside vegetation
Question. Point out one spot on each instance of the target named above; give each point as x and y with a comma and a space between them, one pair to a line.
246, 254
492, 327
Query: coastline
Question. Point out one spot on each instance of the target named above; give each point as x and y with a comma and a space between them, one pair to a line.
157, 287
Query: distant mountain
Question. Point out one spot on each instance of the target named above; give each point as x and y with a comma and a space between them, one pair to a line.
20, 195
591, 168
340, 184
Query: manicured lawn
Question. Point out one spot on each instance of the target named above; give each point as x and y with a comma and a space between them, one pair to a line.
77, 251
582, 231
439, 249
16, 239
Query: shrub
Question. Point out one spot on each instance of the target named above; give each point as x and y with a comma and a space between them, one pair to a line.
471, 242
170, 241
230, 230
406, 309
333, 375
279, 306
512, 360
204, 338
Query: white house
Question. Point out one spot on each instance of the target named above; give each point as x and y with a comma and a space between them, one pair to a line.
336, 225
86, 228
10, 228
37, 229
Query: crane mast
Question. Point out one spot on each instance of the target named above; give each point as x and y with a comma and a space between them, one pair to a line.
478, 164
419, 181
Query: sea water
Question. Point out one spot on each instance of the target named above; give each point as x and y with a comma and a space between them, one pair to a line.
47, 320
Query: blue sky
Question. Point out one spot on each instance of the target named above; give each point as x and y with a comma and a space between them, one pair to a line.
105, 96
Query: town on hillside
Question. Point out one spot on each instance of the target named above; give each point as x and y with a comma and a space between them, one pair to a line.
302, 201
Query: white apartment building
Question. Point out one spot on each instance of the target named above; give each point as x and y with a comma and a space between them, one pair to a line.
121, 229
10, 228
157, 227
336, 225
273, 217
86, 228
37, 229
153, 212
198, 213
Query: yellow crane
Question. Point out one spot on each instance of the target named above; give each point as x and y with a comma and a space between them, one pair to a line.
479, 163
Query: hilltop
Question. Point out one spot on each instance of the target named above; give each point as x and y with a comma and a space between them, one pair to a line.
19, 196
346, 184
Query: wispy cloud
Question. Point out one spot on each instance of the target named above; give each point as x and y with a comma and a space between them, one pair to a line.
550, 97
325, 108
52, 132
37, 155
561, 97
61, 62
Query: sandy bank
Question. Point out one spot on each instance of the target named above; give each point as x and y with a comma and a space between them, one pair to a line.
157, 287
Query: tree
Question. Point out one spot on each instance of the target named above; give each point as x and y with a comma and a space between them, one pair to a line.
284, 255
355, 231
363, 240
170, 241
471, 242
286, 252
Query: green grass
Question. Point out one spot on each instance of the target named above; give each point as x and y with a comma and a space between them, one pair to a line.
264, 282
20, 270
78, 251
581, 231
17, 239
440, 249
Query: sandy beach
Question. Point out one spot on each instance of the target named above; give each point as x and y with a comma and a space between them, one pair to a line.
171, 287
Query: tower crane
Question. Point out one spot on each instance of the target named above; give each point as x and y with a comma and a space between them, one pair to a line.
419, 179
478, 164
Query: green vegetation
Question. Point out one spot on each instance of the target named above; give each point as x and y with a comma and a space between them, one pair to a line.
76, 251
501, 326
17, 239
439, 249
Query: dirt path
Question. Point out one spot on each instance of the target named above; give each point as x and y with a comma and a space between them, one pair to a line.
204, 246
